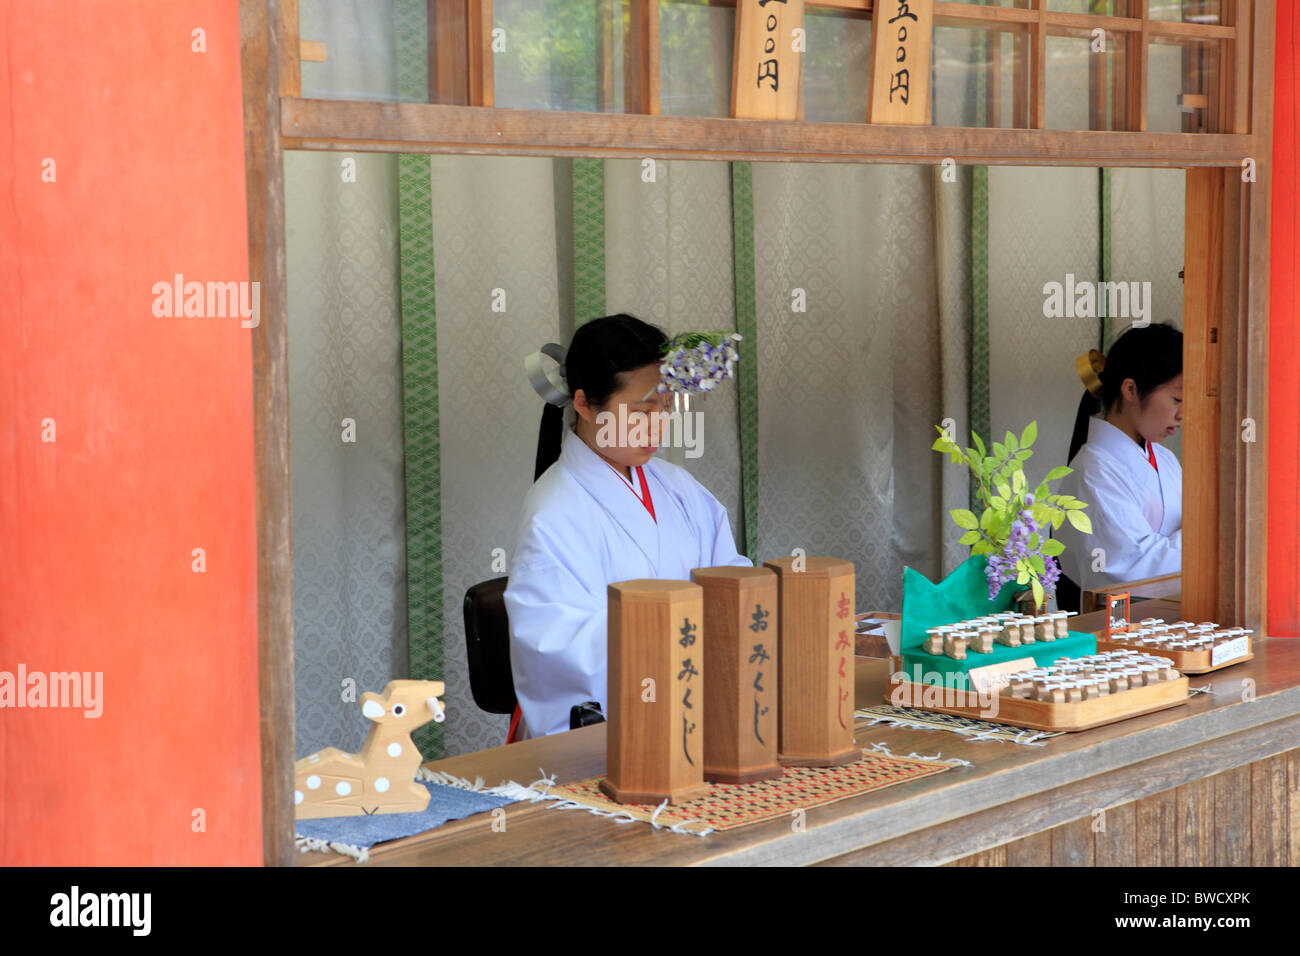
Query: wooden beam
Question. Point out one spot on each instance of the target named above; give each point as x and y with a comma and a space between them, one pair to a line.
448, 25
1252, 553
1038, 68
605, 56
482, 89
1135, 80
260, 48
641, 59
288, 44
425, 128
1202, 321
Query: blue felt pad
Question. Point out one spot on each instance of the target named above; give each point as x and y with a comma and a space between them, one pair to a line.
445, 803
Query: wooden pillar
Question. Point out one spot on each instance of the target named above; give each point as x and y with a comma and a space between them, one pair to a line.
261, 45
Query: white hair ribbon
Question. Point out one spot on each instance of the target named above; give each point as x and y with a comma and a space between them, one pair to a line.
548, 383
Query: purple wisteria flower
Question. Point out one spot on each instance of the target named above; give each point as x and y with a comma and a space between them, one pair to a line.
696, 362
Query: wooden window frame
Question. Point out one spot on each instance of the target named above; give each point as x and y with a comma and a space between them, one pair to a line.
1227, 223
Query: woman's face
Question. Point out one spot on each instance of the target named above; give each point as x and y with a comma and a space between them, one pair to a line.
1162, 413
625, 427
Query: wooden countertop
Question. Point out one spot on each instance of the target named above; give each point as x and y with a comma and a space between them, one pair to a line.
1011, 791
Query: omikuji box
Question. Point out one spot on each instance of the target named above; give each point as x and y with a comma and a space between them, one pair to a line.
655, 737
817, 624
740, 655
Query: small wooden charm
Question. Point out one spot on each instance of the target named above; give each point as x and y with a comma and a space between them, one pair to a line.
654, 741
740, 655
954, 645
981, 642
380, 779
817, 692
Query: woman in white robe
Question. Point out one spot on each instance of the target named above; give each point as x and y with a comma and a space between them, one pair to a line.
1132, 484
600, 514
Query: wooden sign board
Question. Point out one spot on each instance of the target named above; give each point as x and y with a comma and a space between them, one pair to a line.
654, 742
767, 68
901, 35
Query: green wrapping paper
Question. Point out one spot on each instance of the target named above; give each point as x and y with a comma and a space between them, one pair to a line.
960, 596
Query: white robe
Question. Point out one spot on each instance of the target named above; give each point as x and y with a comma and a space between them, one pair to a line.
1136, 511
583, 529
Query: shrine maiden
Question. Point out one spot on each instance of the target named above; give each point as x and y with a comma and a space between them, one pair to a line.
602, 513
1132, 484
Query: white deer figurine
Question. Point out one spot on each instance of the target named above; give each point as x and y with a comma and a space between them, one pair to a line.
380, 779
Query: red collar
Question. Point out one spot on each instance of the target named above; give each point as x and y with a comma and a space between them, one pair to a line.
644, 495
1151, 455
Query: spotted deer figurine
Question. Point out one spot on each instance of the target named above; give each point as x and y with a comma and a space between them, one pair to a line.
380, 779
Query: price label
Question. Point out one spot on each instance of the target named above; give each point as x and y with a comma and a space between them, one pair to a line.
1237, 647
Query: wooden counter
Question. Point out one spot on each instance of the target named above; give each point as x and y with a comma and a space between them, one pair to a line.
1213, 782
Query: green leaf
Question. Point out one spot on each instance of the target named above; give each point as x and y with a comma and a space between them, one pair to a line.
1023, 578
1018, 483
1038, 593
1025, 454
1060, 471
1056, 521
987, 518
978, 443
1029, 435
970, 537
1004, 489
1052, 547
1040, 492
1033, 541
1011, 443
965, 518
1037, 563
999, 450
1080, 521
981, 547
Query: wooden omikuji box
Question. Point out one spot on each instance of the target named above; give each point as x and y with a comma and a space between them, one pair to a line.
655, 738
740, 655
815, 606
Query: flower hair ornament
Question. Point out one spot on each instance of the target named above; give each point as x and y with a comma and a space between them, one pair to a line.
549, 383
1090, 365
695, 363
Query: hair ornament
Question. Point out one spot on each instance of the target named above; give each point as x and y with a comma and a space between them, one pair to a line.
1090, 365
549, 383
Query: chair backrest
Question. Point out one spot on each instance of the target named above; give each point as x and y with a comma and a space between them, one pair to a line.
487, 645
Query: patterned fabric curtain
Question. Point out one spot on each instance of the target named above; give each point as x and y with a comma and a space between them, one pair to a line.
875, 302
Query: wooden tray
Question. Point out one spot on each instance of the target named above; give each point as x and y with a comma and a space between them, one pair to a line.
1045, 715
1187, 662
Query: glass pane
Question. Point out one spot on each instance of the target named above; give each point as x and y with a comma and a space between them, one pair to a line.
696, 42
1183, 87
559, 54
1082, 82
1192, 11
360, 48
959, 85
836, 67
1101, 8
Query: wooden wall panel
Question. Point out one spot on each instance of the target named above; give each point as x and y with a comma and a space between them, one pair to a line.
1248, 816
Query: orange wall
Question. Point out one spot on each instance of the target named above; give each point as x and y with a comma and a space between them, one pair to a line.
1284, 340
153, 421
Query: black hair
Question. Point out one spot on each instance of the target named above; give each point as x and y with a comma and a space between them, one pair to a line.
1151, 355
601, 352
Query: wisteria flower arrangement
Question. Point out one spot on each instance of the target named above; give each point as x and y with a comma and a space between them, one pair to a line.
1012, 528
694, 363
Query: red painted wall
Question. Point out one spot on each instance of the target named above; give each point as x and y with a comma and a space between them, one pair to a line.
153, 454
1284, 339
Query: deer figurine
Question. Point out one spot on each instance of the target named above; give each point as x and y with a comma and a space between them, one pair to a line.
380, 779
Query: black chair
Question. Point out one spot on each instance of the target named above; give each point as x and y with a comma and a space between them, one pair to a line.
487, 646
